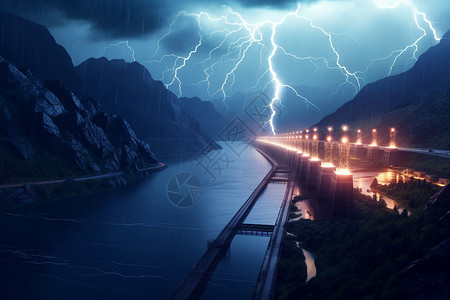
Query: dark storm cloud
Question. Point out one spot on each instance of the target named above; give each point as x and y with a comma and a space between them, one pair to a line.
272, 3
184, 36
119, 18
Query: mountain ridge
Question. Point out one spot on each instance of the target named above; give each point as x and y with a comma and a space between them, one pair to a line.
406, 101
30, 45
128, 89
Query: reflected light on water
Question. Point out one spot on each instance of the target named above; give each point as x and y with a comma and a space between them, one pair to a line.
310, 265
363, 180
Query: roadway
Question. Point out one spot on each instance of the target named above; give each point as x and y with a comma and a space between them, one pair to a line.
433, 152
87, 178
193, 284
265, 284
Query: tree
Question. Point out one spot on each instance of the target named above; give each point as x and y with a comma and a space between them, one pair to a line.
396, 209
404, 213
374, 183
400, 184
382, 203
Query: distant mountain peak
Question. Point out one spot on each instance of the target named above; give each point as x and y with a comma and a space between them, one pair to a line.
152, 110
29, 45
416, 101
446, 36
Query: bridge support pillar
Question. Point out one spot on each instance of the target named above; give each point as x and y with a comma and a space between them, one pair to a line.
359, 151
292, 155
297, 166
390, 156
341, 203
323, 193
313, 174
374, 154
304, 168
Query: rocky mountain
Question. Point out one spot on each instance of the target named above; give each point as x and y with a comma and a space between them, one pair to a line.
29, 45
416, 102
123, 89
439, 205
153, 111
49, 123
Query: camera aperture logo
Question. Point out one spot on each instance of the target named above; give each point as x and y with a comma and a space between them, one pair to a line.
184, 190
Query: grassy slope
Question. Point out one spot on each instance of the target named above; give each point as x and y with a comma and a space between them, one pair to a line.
41, 166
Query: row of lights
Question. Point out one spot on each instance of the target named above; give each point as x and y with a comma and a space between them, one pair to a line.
344, 138
288, 141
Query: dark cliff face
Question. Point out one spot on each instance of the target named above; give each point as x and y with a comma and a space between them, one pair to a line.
205, 114
439, 205
153, 111
50, 117
123, 89
428, 276
29, 45
416, 101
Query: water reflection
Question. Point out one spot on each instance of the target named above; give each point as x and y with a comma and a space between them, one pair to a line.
235, 276
363, 180
311, 270
310, 265
268, 205
130, 243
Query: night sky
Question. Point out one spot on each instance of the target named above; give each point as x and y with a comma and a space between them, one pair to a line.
371, 40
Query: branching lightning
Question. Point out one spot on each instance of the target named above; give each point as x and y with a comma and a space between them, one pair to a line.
236, 37
393, 4
118, 44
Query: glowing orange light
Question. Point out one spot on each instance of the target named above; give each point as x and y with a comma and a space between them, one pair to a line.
330, 128
374, 130
359, 130
343, 172
329, 139
392, 129
344, 140
315, 129
315, 137
327, 165
306, 136
344, 127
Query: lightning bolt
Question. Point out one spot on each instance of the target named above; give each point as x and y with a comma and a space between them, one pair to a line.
393, 4
118, 44
236, 37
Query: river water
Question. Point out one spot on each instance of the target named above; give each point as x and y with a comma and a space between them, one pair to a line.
134, 243
363, 179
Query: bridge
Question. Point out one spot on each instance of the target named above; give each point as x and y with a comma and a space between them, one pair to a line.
319, 169
194, 283
255, 229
